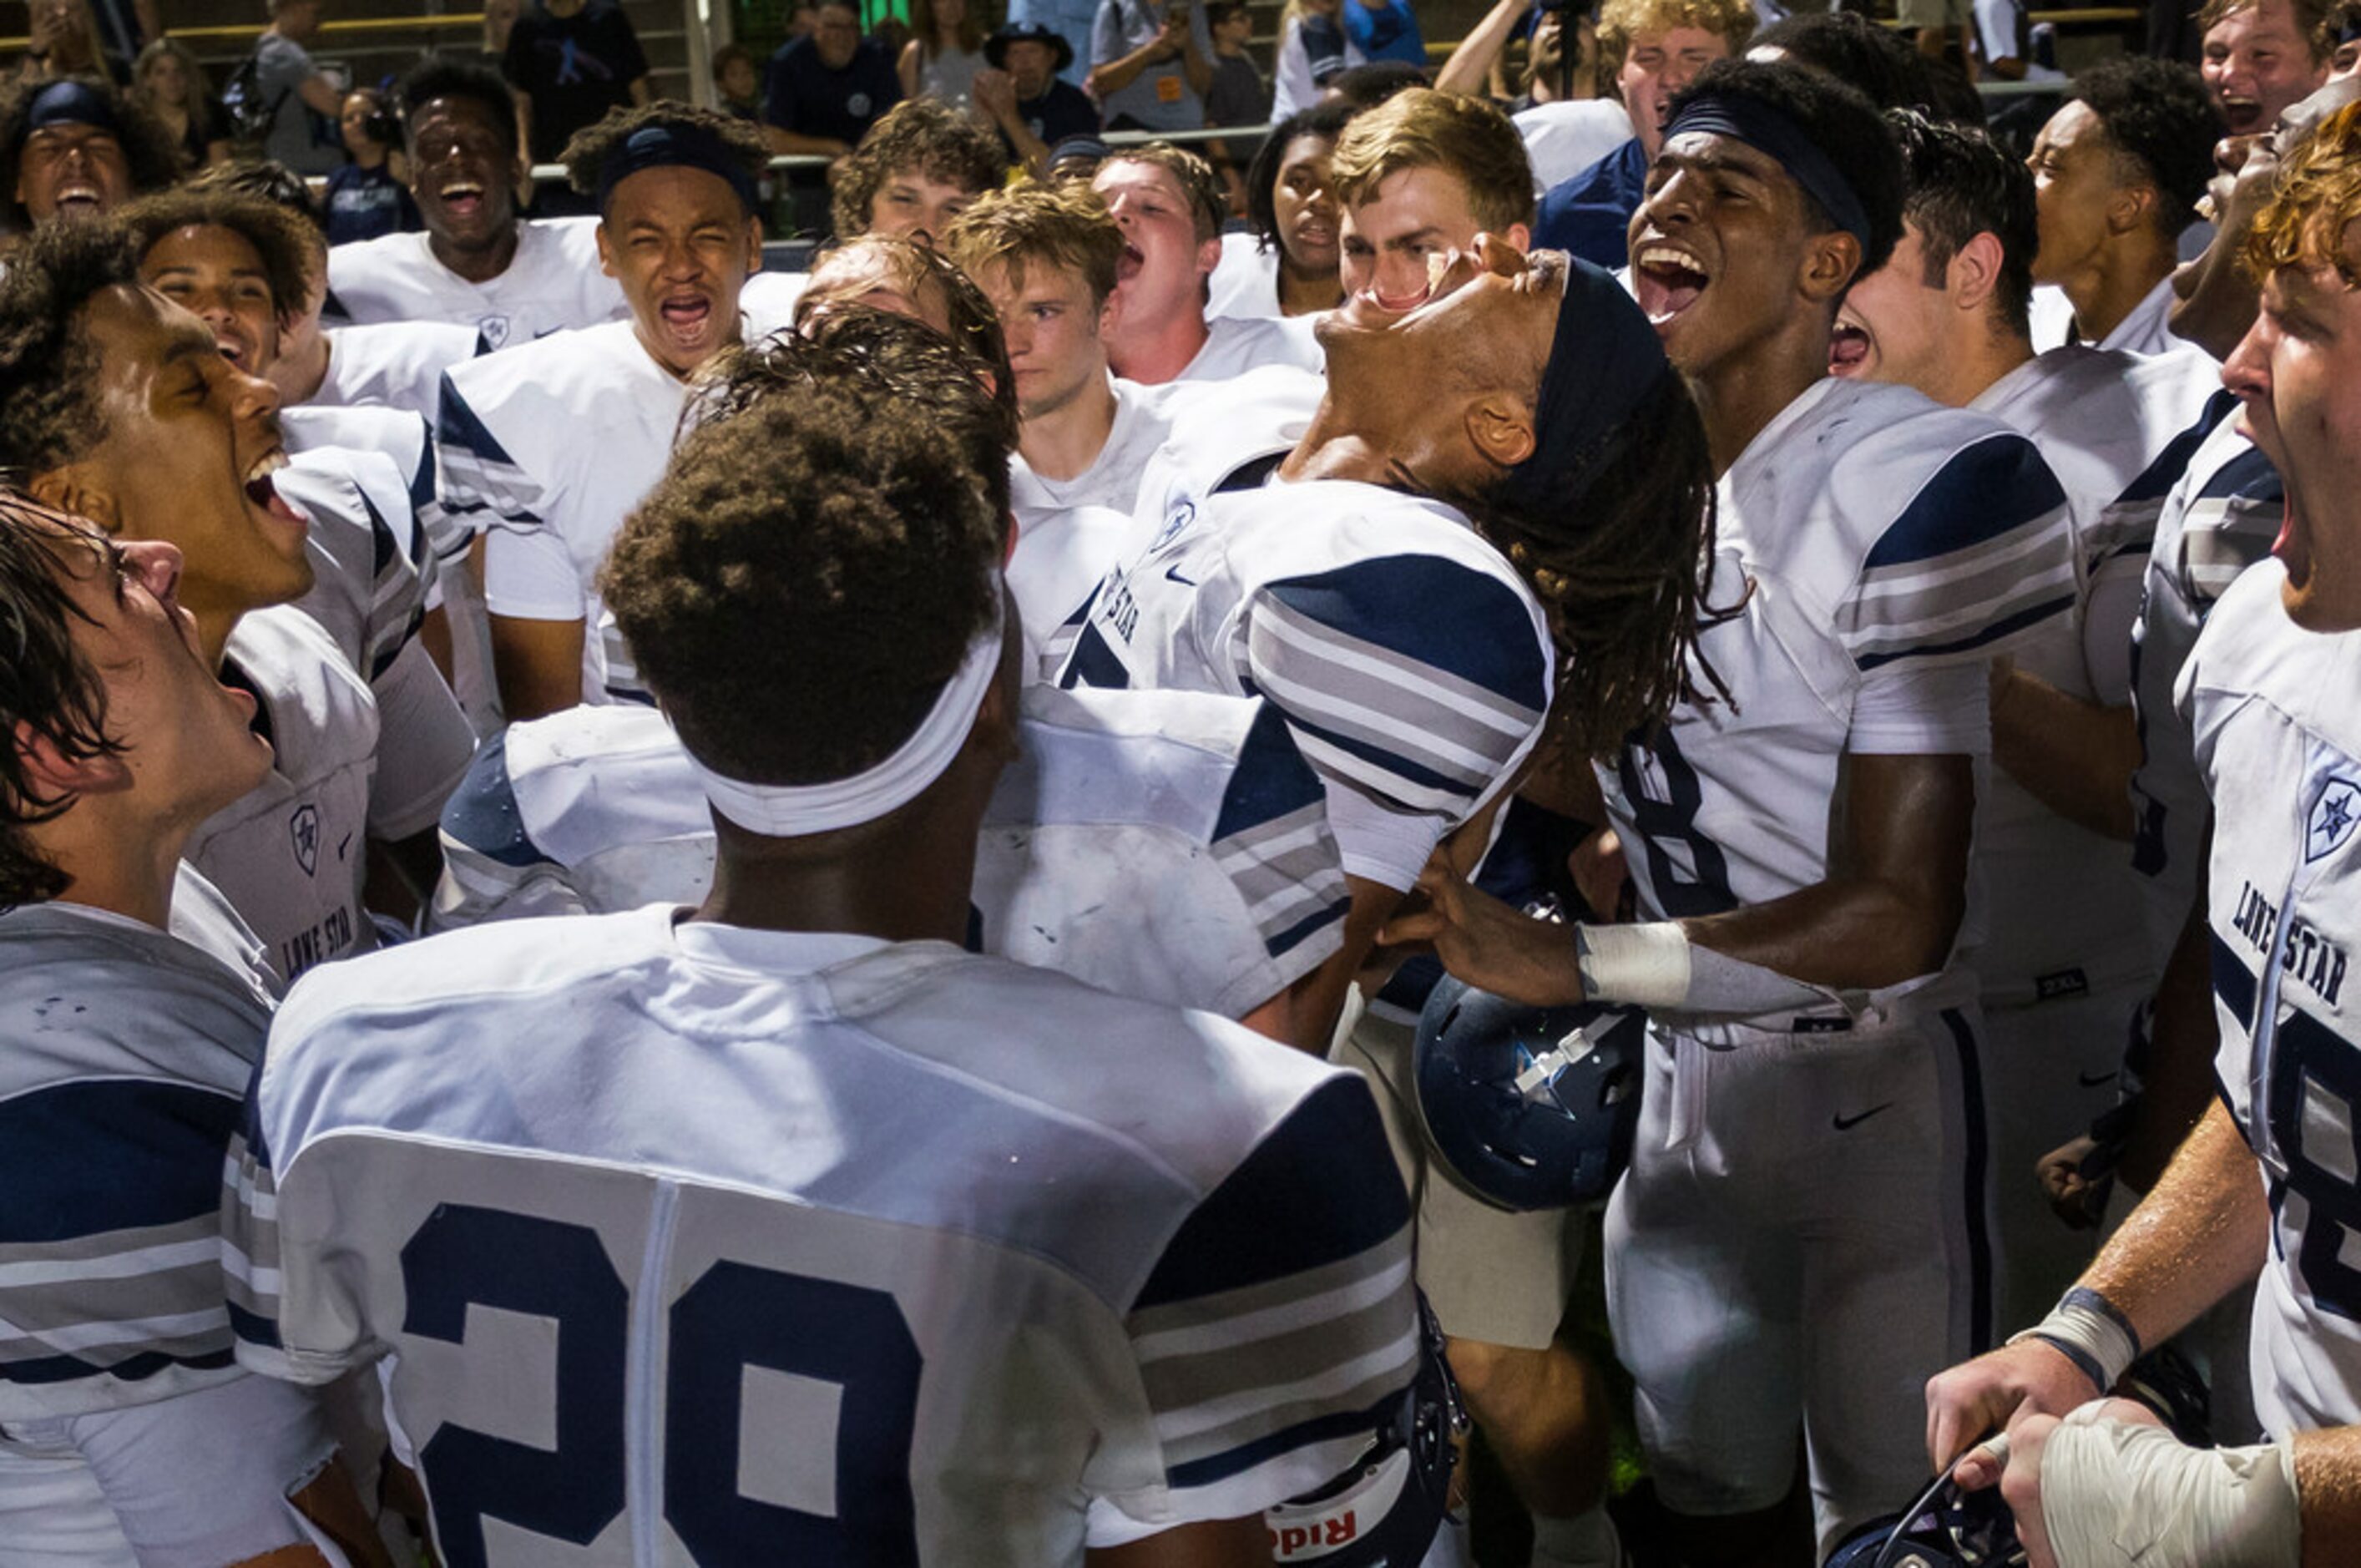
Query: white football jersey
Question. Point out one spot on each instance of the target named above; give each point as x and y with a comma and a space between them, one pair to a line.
2278, 736
549, 446
128, 1053
291, 855
2218, 517
1245, 280
1412, 661
396, 364
1113, 478
1873, 533
2147, 330
1225, 434
1235, 345
2056, 892
685, 1241
407, 441
554, 282
1060, 556
1170, 845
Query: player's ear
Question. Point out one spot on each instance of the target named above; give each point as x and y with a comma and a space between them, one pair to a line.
2128, 207
1974, 271
753, 244
78, 492
1831, 260
1501, 429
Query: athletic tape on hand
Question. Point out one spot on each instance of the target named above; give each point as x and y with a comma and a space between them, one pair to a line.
2125, 1495
1655, 965
2086, 1329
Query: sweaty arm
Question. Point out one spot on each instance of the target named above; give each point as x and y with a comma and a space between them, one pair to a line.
539, 665
2074, 756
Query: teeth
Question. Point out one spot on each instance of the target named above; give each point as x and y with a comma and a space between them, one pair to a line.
451, 193
1665, 256
266, 466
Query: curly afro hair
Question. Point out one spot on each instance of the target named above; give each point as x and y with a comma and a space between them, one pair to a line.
153, 156
49, 370
283, 241
2162, 125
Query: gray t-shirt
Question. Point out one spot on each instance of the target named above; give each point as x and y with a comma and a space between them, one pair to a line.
303, 141
1159, 98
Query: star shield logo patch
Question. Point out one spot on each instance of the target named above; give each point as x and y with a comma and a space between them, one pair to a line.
303, 828
2334, 817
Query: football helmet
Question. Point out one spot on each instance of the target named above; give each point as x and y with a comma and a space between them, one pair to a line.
1385, 1511
1946, 1527
1529, 1107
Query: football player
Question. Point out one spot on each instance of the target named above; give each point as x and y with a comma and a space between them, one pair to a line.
2066, 966
853, 1244
476, 263
1169, 206
920, 166
118, 406
2262, 1186
126, 1431
76, 146
2261, 56
1800, 850
2117, 175
550, 444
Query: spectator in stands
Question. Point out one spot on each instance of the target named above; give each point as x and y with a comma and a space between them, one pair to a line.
64, 39
1151, 61
76, 147
945, 51
500, 20
1072, 20
2344, 33
366, 197
822, 92
2116, 174
1475, 66
2261, 56
1167, 202
570, 61
168, 83
1022, 90
1312, 49
916, 170
737, 82
1238, 97
1386, 30
1292, 248
1366, 86
295, 99
1657, 47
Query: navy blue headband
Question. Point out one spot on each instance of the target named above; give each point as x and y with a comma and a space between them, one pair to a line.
1767, 130
72, 103
677, 147
1604, 360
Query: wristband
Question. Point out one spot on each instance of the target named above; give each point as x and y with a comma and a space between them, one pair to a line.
2085, 1328
2125, 1495
1647, 966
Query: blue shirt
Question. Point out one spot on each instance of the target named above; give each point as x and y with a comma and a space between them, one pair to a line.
803, 95
364, 203
1389, 31
1591, 214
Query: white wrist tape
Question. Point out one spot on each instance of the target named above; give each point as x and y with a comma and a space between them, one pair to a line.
1655, 965
2125, 1495
2085, 1328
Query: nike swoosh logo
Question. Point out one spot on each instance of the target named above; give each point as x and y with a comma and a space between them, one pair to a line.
1846, 1123
1173, 574
2089, 1081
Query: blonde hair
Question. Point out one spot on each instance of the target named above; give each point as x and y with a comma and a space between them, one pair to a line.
1620, 21
1063, 226
2319, 195
1422, 128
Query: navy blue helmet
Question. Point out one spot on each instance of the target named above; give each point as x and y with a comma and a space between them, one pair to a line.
1529, 1107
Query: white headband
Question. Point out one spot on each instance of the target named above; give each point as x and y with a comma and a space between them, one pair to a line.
791, 811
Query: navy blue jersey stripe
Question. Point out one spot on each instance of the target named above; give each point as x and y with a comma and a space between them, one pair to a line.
253, 1327
482, 813
1974, 1181
2247, 476
1269, 780
2008, 624
2234, 982
1995, 487
456, 425
1245, 1456
131, 1369
1322, 1188
1287, 940
82, 1159
2159, 477
1381, 760
1093, 663
1432, 612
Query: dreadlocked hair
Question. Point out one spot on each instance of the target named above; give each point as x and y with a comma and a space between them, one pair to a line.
46, 687
1622, 568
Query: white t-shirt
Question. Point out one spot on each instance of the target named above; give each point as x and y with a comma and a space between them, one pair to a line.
1061, 556
553, 282
549, 446
1245, 280
1564, 138
901, 1253
1113, 478
2061, 897
397, 363
1170, 845
2147, 330
1412, 662
1876, 536
1235, 345
2278, 740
